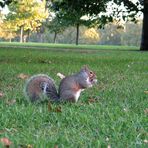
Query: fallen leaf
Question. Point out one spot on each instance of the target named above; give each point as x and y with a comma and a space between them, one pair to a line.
6, 142
44, 61
92, 100
10, 86
58, 109
25, 146
60, 75
125, 109
12, 130
49, 107
56, 146
2, 131
146, 111
1, 94
29, 146
146, 91
107, 139
82, 104
11, 102
23, 76
145, 141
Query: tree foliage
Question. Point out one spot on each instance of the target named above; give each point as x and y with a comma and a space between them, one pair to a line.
97, 12
72, 12
56, 26
91, 33
27, 15
5, 2
7, 28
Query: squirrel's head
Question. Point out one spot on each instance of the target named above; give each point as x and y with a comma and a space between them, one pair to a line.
90, 76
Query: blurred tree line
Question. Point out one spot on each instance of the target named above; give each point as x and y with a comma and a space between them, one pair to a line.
112, 34
33, 21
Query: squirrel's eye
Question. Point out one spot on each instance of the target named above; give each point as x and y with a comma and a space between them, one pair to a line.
90, 72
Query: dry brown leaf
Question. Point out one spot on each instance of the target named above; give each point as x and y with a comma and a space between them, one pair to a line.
2, 131
29, 146
58, 109
146, 111
1, 94
49, 107
56, 146
10, 86
11, 102
82, 103
25, 146
146, 91
12, 130
23, 76
6, 142
91, 100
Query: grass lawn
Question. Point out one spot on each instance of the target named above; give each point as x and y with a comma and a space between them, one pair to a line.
111, 114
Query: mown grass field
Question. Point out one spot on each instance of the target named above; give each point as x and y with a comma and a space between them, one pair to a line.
111, 114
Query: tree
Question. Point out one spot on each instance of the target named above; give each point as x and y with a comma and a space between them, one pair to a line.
111, 35
96, 11
7, 30
27, 15
92, 34
131, 33
133, 9
144, 42
72, 12
56, 26
5, 2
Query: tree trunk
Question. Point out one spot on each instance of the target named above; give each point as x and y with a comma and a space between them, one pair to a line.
28, 35
41, 38
77, 34
41, 34
55, 36
21, 35
10, 40
144, 40
24, 38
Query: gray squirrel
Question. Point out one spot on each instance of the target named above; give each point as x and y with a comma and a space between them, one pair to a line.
69, 89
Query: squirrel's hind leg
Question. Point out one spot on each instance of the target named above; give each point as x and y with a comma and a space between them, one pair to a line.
69, 97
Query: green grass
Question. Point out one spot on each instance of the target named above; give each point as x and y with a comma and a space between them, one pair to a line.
117, 118
66, 46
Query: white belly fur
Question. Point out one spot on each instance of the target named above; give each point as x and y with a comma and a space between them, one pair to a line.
78, 94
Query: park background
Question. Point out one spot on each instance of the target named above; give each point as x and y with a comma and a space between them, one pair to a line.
117, 23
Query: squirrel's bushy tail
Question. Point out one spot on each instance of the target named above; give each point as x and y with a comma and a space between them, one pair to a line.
39, 87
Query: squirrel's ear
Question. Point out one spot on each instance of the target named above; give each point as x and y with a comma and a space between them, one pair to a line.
85, 67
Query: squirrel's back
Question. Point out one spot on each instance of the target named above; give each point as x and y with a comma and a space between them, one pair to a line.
37, 86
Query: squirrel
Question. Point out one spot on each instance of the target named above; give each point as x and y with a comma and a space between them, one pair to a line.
69, 89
